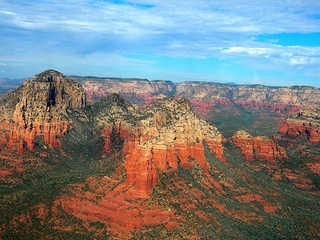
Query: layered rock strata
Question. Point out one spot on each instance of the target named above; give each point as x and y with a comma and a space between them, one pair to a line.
168, 137
115, 210
163, 137
260, 147
142, 92
306, 122
39, 108
133, 89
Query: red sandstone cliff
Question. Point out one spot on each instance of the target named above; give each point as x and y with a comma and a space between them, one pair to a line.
142, 92
306, 122
259, 147
39, 108
169, 136
164, 136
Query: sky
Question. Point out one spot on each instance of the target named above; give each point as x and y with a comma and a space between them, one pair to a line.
269, 42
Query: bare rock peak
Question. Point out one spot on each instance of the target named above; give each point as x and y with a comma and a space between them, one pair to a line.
39, 108
49, 75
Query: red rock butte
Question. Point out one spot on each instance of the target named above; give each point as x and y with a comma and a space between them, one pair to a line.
167, 135
260, 147
39, 108
305, 123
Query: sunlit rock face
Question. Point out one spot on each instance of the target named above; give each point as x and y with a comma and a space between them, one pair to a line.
165, 135
39, 108
306, 122
259, 147
205, 95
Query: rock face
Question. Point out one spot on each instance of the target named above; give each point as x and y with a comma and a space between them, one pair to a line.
39, 108
170, 135
115, 210
134, 89
115, 117
305, 97
259, 147
306, 122
163, 137
273, 99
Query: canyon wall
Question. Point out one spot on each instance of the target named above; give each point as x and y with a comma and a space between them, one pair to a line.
141, 92
305, 123
259, 147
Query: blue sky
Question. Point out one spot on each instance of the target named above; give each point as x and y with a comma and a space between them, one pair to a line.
268, 42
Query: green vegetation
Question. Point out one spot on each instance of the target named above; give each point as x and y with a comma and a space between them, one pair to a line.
42, 185
296, 216
233, 200
43, 182
235, 118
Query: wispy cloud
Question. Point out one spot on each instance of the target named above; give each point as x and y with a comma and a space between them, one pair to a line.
293, 58
185, 29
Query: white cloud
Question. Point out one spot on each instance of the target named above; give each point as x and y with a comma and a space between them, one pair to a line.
277, 57
253, 17
298, 60
190, 28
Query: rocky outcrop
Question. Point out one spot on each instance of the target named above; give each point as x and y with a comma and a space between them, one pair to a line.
304, 97
259, 147
115, 117
115, 209
141, 91
306, 122
275, 107
40, 108
170, 136
257, 97
164, 136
